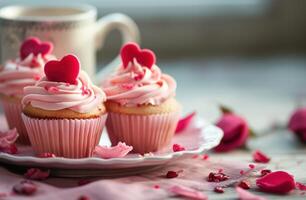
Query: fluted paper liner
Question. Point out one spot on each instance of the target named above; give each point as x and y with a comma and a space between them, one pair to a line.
146, 133
69, 138
13, 112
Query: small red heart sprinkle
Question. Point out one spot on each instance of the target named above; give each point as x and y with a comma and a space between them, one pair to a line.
144, 57
177, 147
35, 46
66, 70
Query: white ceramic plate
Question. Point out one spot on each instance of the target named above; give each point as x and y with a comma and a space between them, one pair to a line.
198, 138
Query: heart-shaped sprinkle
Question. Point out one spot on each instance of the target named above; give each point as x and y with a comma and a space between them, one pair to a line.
144, 57
35, 46
66, 70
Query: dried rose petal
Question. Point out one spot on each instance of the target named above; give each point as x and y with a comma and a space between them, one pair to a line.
188, 192
217, 177
260, 157
171, 174
37, 174
118, 151
25, 188
184, 122
300, 186
219, 189
244, 184
265, 172
7, 141
246, 195
46, 155
177, 147
276, 182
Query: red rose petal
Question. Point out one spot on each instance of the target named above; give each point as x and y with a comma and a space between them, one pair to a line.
188, 192
25, 188
245, 195
184, 122
37, 174
276, 182
260, 157
236, 132
177, 147
131, 51
65, 70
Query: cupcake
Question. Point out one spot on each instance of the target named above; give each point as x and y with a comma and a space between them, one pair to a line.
141, 104
25, 70
64, 111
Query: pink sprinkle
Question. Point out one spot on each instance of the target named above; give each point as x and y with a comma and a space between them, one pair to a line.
36, 77
53, 89
177, 147
251, 166
205, 157
156, 186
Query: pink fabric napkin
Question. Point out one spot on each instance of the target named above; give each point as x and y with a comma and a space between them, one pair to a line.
154, 185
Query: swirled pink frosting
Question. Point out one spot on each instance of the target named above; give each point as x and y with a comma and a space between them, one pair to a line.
18, 74
138, 85
82, 97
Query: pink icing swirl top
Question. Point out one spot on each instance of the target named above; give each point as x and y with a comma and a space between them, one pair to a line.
82, 97
18, 73
138, 85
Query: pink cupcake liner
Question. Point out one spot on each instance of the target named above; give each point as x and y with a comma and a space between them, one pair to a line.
13, 112
146, 133
70, 138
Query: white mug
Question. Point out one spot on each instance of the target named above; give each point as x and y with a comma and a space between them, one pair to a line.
71, 28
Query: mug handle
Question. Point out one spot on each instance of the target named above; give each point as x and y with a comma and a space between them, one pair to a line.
128, 30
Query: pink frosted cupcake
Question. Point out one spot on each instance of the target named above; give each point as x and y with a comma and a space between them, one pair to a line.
142, 109
18, 73
64, 112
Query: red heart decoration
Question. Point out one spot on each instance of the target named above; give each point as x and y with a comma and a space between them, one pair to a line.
144, 57
66, 70
35, 46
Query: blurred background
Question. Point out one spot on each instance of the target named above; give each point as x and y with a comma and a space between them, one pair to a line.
246, 54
